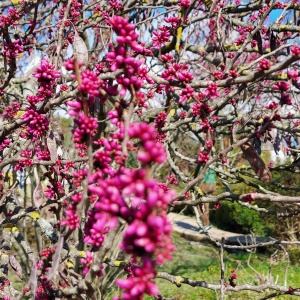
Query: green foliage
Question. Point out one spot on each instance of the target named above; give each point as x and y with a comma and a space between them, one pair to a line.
294, 255
236, 218
66, 128
132, 161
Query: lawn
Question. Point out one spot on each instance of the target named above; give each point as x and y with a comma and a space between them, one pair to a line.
201, 262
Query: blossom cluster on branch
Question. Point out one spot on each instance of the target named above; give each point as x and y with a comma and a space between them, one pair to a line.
105, 105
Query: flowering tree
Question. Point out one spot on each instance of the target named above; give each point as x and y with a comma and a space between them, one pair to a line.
136, 78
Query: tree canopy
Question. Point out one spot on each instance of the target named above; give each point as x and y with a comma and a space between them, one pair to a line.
113, 111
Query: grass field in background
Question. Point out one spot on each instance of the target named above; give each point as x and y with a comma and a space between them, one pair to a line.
201, 262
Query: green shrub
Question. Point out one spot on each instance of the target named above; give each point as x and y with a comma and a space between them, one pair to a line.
294, 253
236, 218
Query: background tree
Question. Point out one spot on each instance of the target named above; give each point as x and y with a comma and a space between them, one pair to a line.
138, 79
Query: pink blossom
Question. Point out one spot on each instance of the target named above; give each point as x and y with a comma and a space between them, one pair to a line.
264, 64
203, 157
293, 74
167, 57
72, 219
201, 109
217, 74
126, 33
140, 282
5, 143
37, 124
254, 43
184, 3
272, 105
152, 151
117, 5
86, 126
212, 91
161, 37
11, 18
240, 41
172, 179
13, 49
183, 114
233, 73
285, 99
97, 226
46, 75
173, 20
205, 125
186, 93
209, 144
87, 261
120, 58
282, 86
90, 83
42, 155
11, 111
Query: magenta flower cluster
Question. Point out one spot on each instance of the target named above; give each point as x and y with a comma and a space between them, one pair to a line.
132, 196
26, 161
13, 49
172, 179
293, 74
57, 188
37, 124
97, 226
11, 111
122, 58
90, 83
184, 3
5, 143
201, 109
186, 93
212, 91
111, 150
177, 72
151, 151
264, 65
79, 176
141, 281
10, 19
75, 10
34, 99
117, 5
87, 261
159, 123
127, 195
174, 21
46, 76
203, 157
86, 126
126, 34
282, 86
161, 37
42, 154
71, 218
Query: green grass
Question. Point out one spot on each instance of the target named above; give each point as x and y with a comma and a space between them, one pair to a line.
202, 262
199, 261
